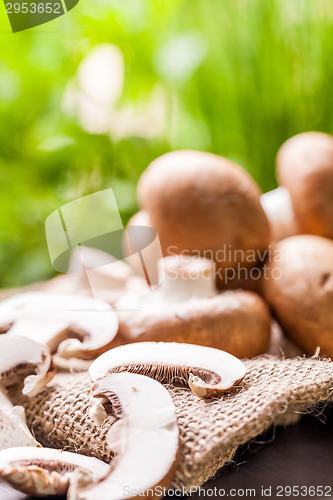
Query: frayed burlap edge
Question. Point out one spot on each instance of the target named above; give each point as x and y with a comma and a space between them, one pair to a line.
273, 392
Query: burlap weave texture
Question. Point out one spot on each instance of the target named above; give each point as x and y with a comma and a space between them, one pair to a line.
273, 391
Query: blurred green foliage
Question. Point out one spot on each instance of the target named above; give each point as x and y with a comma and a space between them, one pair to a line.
246, 75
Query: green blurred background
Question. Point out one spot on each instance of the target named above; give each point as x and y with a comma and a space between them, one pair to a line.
234, 77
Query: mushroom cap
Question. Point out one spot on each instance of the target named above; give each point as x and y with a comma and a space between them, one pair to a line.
299, 288
23, 360
209, 372
305, 168
75, 325
46, 471
144, 438
201, 202
235, 321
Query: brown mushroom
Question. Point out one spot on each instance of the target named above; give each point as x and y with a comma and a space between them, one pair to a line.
72, 325
186, 308
204, 204
305, 168
208, 372
299, 288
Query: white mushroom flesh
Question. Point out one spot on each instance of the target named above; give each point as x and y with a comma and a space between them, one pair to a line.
75, 325
46, 471
144, 437
208, 371
13, 426
22, 359
102, 274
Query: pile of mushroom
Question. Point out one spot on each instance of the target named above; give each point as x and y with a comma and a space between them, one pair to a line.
169, 323
145, 432
298, 284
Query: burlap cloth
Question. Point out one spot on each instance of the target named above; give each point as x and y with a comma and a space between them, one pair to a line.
274, 391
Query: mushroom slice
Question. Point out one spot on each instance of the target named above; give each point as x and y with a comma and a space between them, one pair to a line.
22, 359
144, 437
13, 426
209, 372
45, 471
76, 326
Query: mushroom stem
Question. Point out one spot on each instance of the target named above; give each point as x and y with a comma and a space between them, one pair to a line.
144, 438
181, 278
185, 277
186, 307
279, 211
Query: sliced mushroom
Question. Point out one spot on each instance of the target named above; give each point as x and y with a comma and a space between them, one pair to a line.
187, 308
45, 471
144, 437
73, 325
22, 359
209, 372
101, 274
13, 426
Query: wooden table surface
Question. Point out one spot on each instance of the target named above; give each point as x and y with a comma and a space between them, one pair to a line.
298, 455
